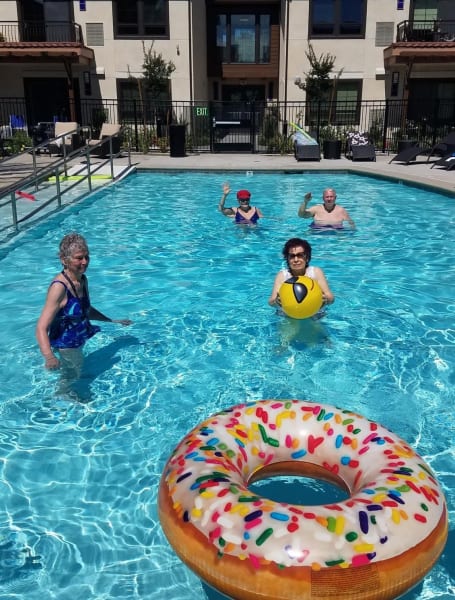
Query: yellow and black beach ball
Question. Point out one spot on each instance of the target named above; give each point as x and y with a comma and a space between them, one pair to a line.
301, 297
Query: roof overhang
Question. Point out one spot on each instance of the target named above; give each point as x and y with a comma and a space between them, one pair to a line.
403, 53
45, 52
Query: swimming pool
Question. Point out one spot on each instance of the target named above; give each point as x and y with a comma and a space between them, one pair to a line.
79, 480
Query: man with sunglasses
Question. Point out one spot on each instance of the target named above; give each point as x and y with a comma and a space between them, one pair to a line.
244, 214
297, 254
328, 215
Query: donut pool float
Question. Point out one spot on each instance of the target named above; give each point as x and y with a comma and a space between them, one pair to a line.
376, 544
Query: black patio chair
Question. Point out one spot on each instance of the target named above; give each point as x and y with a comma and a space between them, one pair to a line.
306, 147
409, 155
109, 140
445, 148
66, 134
359, 146
446, 162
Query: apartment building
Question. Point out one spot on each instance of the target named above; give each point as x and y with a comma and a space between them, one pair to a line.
58, 53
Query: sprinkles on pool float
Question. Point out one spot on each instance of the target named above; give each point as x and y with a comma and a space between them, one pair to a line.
396, 506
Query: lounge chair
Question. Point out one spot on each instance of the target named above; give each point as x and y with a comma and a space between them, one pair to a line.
67, 138
306, 147
446, 162
359, 146
109, 135
445, 148
409, 155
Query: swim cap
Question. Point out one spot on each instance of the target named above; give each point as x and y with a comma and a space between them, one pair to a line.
243, 195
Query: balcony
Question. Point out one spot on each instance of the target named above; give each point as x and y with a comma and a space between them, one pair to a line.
426, 31
422, 42
43, 41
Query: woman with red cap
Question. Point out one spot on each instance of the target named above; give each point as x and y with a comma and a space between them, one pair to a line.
244, 214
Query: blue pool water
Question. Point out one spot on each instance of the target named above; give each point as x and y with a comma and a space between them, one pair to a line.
79, 480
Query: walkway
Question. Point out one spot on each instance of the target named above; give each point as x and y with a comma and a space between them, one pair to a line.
15, 168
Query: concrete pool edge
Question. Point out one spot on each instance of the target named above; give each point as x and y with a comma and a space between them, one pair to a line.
416, 174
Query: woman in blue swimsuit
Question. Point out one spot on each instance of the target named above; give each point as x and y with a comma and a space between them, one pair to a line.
64, 324
244, 214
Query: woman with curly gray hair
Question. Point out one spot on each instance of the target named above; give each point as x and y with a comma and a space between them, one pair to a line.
64, 324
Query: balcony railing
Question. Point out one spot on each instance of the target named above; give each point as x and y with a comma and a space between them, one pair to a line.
40, 31
426, 31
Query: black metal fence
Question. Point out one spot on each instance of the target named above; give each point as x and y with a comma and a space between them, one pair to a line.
264, 127
438, 30
40, 31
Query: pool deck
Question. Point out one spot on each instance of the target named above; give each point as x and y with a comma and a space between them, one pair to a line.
419, 173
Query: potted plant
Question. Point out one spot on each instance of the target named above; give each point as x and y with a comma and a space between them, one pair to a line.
331, 141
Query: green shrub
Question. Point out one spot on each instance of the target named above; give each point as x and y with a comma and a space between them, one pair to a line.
19, 142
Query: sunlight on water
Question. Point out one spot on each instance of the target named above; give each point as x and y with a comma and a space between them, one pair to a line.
78, 480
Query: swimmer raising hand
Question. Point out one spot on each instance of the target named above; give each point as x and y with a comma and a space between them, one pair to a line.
244, 214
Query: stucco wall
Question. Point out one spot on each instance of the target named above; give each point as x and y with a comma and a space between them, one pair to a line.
359, 58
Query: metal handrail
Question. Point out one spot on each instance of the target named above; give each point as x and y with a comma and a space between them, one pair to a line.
38, 174
59, 170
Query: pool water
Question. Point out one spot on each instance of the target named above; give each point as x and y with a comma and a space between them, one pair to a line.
79, 474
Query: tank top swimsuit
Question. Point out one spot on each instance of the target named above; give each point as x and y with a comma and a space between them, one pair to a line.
71, 327
309, 272
239, 218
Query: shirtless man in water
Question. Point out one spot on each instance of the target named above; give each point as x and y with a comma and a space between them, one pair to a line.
325, 215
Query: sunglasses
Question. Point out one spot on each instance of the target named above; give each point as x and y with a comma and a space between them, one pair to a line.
293, 255
244, 199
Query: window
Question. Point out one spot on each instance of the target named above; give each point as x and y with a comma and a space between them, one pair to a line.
49, 21
348, 96
430, 98
243, 38
131, 107
428, 10
264, 38
341, 107
141, 18
221, 37
395, 84
425, 10
340, 18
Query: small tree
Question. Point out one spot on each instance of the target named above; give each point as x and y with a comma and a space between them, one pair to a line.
156, 72
154, 81
317, 82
